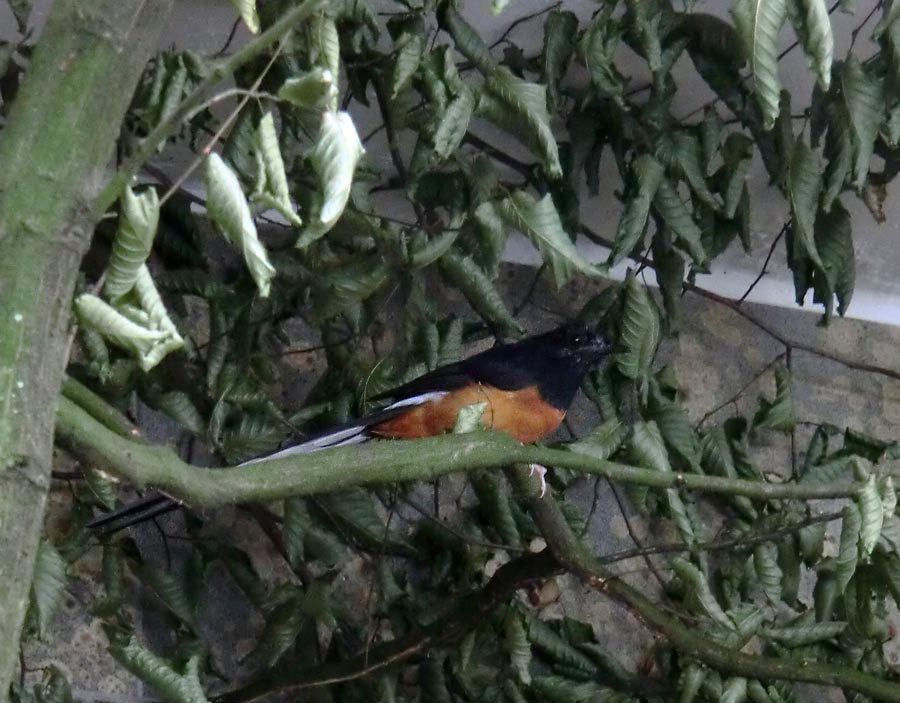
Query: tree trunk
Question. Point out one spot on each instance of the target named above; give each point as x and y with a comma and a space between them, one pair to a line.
55, 151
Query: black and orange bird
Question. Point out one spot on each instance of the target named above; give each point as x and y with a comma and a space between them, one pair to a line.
527, 388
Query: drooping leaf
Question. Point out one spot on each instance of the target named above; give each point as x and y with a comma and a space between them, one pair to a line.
478, 289
522, 106
48, 585
559, 43
247, 10
598, 48
313, 90
698, 588
325, 45
517, 645
170, 588
648, 449
640, 331
119, 329
539, 221
647, 173
777, 414
496, 503
227, 207
835, 244
769, 574
864, 99
871, 514
274, 179
687, 156
671, 208
547, 640
805, 186
759, 24
848, 550
802, 634
133, 240
813, 27
453, 123
334, 158
172, 686
409, 47
602, 442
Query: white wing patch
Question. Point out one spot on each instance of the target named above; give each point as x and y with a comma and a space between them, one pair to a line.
420, 399
348, 435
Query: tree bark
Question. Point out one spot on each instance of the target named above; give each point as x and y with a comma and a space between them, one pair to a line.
55, 150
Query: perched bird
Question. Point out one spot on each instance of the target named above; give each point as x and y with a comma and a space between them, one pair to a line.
527, 387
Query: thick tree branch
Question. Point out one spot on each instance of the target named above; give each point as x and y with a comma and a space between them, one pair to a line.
55, 148
373, 463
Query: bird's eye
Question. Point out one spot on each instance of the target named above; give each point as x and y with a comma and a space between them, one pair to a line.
577, 339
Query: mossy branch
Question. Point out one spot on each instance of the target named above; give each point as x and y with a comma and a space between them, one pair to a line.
372, 463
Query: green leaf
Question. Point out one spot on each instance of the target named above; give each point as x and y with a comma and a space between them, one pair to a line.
313, 90
496, 503
649, 450
848, 551
765, 562
864, 100
453, 124
171, 685
560, 31
690, 681
603, 442
547, 640
468, 419
523, 108
516, 641
759, 24
813, 27
671, 208
804, 634
97, 315
598, 48
474, 284
48, 585
734, 690
133, 241
777, 414
228, 209
408, 47
834, 241
871, 515
675, 427
699, 591
639, 335
805, 186
539, 221
325, 47
247, 10
282, 627
686, 153
274, 179
171, 591
647, 174
334, 157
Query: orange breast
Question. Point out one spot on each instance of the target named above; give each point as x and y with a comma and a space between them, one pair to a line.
522, 414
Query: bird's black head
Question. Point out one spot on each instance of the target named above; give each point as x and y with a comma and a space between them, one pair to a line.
577, 345
560, 358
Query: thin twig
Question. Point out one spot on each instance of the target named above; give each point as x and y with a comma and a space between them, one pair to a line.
765, 266
525, 18
743, 389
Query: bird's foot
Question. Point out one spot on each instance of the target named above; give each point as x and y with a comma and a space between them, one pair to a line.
541, 471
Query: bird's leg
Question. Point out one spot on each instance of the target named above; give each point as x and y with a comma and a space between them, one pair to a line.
541, 471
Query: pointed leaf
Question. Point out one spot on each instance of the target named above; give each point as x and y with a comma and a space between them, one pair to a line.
639, 335
228, 208
275, 181
848, 551
48, 585
539, 221
525, 105
871, 515
247, 10
134, 238
669, 205
777, 414
759, 25
647, 172
560, 31
453, 124
313, 90
171, 685
864, 99
478, 289
805, 186
813, 26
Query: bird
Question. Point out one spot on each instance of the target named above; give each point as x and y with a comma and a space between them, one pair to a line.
526, 386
